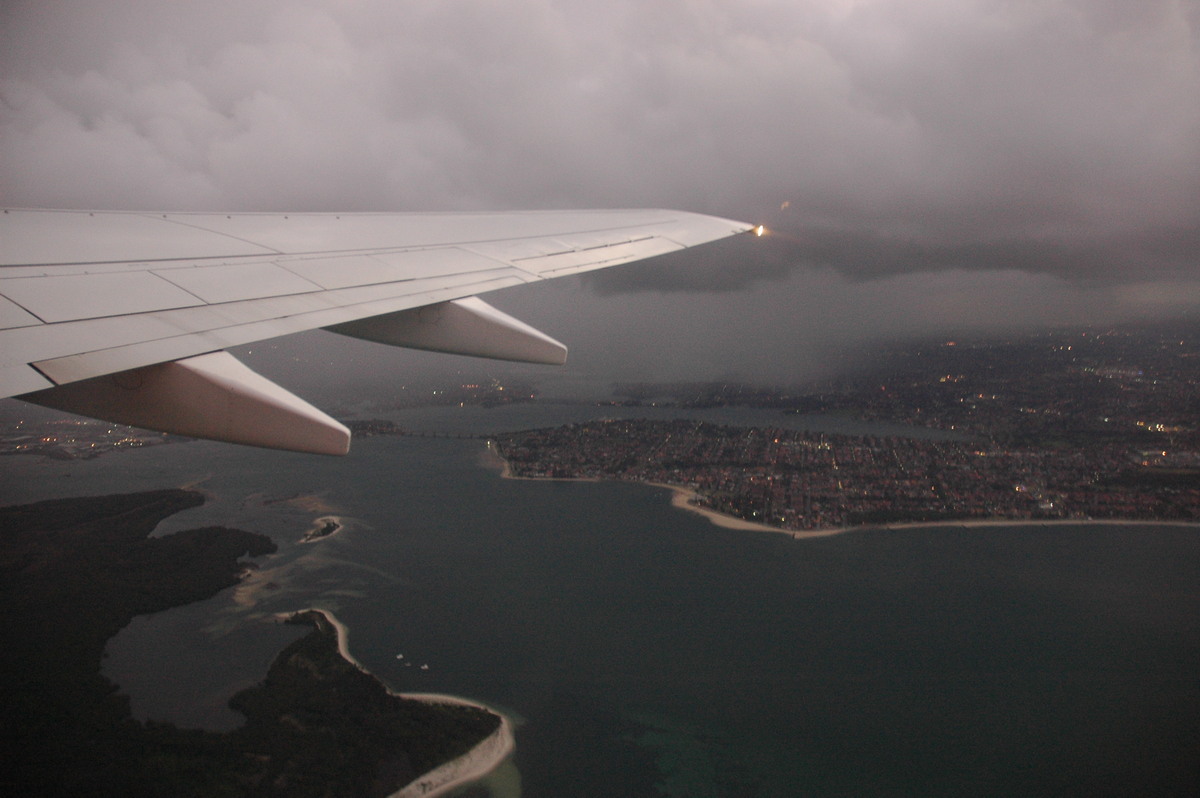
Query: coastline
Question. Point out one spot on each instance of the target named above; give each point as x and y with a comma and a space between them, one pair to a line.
481, 760
683, 498
492, 459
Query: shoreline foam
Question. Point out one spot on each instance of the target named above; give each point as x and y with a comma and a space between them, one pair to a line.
481, 760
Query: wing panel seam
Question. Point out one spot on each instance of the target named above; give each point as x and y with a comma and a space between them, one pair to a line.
213, 334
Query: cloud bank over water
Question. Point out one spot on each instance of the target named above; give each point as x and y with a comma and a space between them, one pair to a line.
1023, 163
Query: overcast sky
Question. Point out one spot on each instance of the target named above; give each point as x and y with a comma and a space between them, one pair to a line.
926, 165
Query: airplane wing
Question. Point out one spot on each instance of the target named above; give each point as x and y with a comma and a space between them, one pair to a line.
125, 316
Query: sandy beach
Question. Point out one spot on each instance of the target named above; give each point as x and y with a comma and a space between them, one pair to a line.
471, 766
686, 498
682, 497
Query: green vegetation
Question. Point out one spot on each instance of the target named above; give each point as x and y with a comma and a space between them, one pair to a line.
74, 572
318, 720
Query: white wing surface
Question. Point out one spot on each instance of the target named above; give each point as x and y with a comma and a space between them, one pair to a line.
125, 316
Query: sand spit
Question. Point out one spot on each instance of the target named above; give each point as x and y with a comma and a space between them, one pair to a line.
471, 766
686, 499
683, 498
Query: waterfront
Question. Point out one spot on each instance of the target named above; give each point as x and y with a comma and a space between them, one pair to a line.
640, 646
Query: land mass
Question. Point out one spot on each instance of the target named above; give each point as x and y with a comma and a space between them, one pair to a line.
797, 480
76, 571
1069, 425
323, 528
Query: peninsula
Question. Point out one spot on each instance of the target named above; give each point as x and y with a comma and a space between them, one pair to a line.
801, 481
1066, 425
75, 571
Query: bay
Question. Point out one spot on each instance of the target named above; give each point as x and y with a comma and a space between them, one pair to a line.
648, 652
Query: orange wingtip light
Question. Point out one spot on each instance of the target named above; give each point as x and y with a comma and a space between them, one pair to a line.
758, 231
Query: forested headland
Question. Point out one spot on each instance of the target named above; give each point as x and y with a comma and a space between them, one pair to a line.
74, 572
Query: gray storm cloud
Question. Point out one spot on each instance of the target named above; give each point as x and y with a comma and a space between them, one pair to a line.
1053, 145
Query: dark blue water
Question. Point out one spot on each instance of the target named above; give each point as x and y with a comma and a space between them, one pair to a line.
648, 652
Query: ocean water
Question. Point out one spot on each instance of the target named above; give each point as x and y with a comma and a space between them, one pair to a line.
647, 652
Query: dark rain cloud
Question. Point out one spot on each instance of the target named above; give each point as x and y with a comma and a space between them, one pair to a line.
932, 134
894, 147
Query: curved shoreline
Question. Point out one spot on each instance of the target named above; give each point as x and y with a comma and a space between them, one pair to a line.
683, 497
481, 760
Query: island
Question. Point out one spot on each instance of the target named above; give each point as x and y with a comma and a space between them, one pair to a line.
322, 528
75, 571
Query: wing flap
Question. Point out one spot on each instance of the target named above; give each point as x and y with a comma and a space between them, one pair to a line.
340, 271
386, 267
596, 257
232, 282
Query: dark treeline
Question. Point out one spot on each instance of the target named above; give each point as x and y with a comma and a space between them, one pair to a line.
74, 572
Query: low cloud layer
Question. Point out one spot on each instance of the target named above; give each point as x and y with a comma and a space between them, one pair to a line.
879, 139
